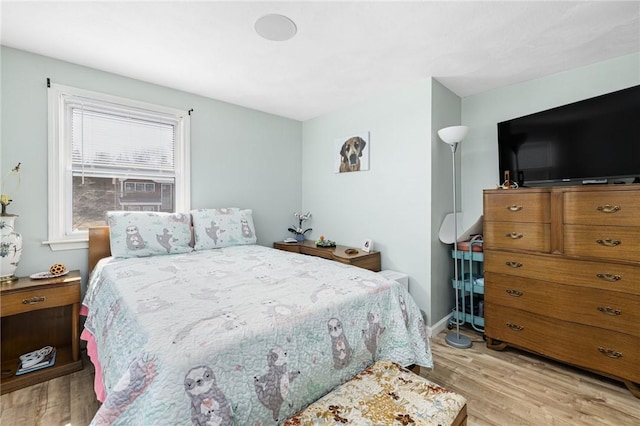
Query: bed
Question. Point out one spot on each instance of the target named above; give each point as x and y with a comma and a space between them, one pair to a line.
236, 334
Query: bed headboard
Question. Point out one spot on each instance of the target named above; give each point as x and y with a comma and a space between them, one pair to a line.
99, 246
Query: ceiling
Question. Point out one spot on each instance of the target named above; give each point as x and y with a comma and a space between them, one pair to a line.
343, 52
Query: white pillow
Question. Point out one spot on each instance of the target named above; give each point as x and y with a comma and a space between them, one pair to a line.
142, 234
215, 228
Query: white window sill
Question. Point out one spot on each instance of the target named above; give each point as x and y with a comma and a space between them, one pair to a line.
75, 244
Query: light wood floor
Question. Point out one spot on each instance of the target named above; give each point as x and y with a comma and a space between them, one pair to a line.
502, 388
65, 401
514, 387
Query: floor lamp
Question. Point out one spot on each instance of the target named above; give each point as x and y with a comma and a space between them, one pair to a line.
453, 136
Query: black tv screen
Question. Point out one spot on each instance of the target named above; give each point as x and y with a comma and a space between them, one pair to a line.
596, 139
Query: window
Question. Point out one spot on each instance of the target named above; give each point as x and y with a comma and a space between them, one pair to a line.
109, 153
139, 187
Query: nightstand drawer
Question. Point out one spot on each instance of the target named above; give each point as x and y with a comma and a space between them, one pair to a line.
39, 298
337, 253
370, 261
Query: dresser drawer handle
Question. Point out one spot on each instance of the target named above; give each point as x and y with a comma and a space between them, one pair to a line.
609, 311
514, 293
609, 277
33, 300
513, 264
514, 235
608, 242
514, 208
608, 208
610, 352
515, 327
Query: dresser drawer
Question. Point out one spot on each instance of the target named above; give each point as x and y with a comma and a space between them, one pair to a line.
516, 206
607, 242
39, 298
606, 351
519, 236
614, 208
590, 306
602, 275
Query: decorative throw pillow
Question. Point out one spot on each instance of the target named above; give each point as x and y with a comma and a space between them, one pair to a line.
141, 234
215, 228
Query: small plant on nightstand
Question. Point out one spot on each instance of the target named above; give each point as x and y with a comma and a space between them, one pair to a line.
299, 233
323, 242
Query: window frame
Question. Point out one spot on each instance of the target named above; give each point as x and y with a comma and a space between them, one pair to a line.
144, 186
60, 161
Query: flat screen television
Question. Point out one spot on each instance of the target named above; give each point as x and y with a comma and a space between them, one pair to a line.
592, 141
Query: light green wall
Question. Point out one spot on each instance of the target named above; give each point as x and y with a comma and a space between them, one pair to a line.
390, 203
239, 157
376, 204
482, 113
445, 112
245, 158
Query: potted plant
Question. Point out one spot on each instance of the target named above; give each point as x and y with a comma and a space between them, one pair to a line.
298, 231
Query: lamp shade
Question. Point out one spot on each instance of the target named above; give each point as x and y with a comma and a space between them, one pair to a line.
453, 134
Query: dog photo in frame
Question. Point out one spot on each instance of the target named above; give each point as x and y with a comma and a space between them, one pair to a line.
351, 153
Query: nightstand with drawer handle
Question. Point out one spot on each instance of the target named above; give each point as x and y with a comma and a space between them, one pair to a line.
38, 313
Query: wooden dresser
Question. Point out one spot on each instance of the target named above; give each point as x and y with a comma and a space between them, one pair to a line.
562, 275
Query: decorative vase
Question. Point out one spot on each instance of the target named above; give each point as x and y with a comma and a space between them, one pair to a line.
10, 247
299, 238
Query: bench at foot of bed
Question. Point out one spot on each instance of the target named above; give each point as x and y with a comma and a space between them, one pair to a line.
386, 394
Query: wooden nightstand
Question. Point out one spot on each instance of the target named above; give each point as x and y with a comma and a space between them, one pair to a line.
361, 259
34, 314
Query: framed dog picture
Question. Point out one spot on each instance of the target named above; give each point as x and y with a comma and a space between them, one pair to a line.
367, 246
351, 153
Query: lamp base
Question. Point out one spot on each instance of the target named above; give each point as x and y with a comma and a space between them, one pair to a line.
458, 341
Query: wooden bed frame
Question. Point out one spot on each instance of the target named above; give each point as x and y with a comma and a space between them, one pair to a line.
99, 246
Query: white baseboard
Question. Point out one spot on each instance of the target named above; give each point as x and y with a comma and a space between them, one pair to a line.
439, 326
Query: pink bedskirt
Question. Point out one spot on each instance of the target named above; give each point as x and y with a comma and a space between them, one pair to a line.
92, 351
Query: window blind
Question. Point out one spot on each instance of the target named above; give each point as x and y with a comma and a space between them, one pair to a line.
114, 143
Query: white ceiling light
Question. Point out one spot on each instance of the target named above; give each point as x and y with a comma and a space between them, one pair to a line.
275, 27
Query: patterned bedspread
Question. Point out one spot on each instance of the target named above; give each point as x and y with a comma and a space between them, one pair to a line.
242, 335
